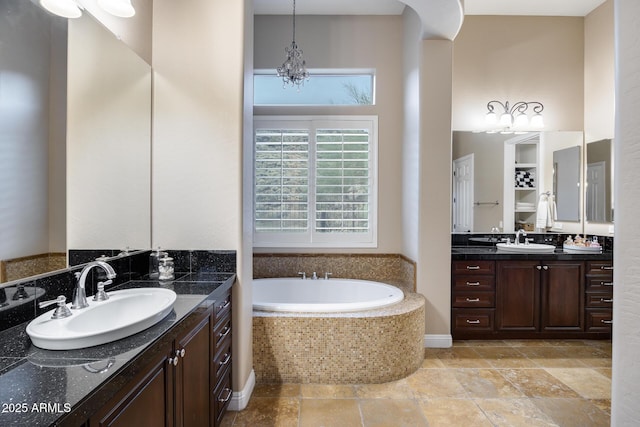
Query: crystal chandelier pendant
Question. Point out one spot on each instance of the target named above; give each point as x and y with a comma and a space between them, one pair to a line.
294, 69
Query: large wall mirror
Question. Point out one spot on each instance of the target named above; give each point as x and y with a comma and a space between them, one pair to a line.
485, 169
75, 139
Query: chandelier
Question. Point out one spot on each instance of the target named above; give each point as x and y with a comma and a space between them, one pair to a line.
294, 70
514, 118
73, 8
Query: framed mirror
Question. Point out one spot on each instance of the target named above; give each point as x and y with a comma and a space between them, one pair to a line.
566, 183
75, 140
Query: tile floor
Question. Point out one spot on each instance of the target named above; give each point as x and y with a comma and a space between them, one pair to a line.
474, 383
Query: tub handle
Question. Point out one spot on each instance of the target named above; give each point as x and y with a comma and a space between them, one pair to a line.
303, 274
326, 275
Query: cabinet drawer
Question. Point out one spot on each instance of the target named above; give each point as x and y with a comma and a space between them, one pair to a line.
599, 267
222, 359
469, 320
599, 320
602, 283
473, 267
474, 283
599, 300
221, 332
221, 308
474, 299
221, 397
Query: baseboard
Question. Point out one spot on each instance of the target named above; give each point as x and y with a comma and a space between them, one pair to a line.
438, 341
240, 399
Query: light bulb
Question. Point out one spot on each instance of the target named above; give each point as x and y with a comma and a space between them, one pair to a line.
64, 8
521, 120
491, 118
506, 120
537, 121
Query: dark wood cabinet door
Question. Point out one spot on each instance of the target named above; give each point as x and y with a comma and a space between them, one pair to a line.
562, 296
517, 296
147, 401
192, 377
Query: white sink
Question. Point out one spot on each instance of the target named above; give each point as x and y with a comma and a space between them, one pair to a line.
125, 313
531, 248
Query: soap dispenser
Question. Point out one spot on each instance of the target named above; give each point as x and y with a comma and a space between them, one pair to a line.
154, 262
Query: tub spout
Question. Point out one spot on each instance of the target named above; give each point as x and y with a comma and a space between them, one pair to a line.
314, 276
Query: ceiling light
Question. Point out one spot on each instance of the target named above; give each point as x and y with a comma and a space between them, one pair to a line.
74, 8
514, 117
294, 69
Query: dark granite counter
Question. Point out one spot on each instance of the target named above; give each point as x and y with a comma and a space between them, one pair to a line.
44, 387
462, 253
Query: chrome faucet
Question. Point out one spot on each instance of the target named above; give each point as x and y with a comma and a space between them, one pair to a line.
518, 233
79, 295
314, 276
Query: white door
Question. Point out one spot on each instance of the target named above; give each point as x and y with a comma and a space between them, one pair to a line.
463, 194
596, 192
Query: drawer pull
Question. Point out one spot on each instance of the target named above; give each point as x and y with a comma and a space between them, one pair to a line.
224, 332
473, 322
473, 283
606, 322
225, 399
606, 299
227, 358
473, 299
606, 267
473, 267
606, 283
226, 305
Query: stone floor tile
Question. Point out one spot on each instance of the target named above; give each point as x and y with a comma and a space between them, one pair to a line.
514, 413
330, 412
432, 364
505, 357
462, 357
527, 343
603, 371
587, 382
426, 383
486, 383
276, 390
328, 391
392, 390
392, 413
573, 412
537, 383
453, 412
269, 412
603, 404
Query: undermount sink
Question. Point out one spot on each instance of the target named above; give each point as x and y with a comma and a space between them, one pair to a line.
125, 313
531, 248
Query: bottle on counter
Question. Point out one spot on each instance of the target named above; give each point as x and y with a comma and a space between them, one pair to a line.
166, 269
154, 262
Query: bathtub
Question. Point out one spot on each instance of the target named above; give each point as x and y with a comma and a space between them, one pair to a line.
328, 296
335, 331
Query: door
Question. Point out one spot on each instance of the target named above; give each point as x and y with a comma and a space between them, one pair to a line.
596, 192
463, 194
517, 296
562, 296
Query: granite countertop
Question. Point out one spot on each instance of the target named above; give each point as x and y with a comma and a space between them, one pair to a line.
39, 387
461, 253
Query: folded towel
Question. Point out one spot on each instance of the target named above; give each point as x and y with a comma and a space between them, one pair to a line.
552, 215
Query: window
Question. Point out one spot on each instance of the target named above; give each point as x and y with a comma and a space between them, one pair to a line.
315, 181
325, 87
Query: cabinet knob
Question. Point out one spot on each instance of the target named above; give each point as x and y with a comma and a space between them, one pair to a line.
546, 267
180, 353
539, 267
173, 361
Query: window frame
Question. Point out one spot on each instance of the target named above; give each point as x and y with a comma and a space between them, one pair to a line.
310, 238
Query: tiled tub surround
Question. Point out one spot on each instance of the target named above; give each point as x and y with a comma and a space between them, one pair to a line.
393, 269
365, 347
18, 268
75, 383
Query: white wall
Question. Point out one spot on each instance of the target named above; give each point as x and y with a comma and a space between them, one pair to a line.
625, 407
373, 42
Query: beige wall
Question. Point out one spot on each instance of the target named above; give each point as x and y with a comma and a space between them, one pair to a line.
198, 57
373, 42
599, 78
517, 58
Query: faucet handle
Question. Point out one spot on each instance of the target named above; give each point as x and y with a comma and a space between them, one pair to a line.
326, 275
101, 295
61, 310
303, 274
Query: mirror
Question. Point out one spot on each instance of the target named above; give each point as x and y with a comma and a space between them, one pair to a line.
599, 182
75, 138
489, 205
566, 183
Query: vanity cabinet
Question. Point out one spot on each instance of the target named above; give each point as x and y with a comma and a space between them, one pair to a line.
527, 298
186, 384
